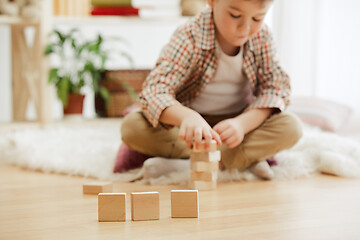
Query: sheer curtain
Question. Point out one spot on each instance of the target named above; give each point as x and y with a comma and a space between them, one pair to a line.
318, 42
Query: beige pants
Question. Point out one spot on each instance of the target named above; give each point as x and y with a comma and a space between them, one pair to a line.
277, 133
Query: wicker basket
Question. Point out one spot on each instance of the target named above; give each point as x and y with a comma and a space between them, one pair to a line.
119, 97
112, 79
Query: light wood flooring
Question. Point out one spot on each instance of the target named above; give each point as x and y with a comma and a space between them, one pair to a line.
36, 205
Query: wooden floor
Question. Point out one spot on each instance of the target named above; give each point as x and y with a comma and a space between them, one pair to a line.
35, 205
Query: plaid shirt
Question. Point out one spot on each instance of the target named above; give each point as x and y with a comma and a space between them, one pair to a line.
188, 63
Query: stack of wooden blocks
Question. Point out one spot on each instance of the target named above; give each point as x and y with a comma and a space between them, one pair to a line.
144, 205
204, 167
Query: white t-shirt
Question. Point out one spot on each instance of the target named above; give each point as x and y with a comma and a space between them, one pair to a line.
229, 91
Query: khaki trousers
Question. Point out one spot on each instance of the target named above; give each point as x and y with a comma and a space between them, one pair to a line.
279, 132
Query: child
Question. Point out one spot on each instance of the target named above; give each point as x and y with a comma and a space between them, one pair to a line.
217, 79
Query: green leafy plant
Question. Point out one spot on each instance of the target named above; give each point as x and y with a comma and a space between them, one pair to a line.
80, 63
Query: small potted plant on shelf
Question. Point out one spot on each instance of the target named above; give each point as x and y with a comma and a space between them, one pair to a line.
79, 63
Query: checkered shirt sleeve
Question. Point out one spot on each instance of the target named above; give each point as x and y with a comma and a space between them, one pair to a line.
272, 85
160, 87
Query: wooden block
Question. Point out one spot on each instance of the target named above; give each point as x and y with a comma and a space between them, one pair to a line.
97, 187
204, 176
205, 156
145, 206
202, 185
213, 147
184, 203
204, 166
112, 207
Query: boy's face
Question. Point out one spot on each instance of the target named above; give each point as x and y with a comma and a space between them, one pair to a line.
237, 20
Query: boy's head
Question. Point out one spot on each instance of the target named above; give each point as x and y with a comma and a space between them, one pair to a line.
237, 20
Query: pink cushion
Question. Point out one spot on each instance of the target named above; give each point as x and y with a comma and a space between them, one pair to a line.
326, 114
127, 159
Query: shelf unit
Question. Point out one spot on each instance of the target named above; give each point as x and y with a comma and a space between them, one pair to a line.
15, 21
118, 19
29, 66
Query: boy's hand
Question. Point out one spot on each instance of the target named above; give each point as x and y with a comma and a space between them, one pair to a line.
194, 128
231, 132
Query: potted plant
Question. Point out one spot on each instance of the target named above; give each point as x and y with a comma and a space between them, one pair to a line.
79, 63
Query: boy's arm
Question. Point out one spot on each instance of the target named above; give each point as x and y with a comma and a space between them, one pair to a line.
174, 115
253, 118
171, 70
272, 87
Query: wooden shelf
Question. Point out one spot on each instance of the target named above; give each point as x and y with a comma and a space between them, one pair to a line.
119, 20
29, 67
16, 20
96, 20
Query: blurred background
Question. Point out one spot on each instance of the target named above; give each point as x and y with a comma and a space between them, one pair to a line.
317, 42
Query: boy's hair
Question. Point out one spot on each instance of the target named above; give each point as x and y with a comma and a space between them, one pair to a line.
261, 1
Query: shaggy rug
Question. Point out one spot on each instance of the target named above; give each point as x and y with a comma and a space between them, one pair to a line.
90, 151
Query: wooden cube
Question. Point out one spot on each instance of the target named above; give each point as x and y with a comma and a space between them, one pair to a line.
203, 185
97, 187
205, 156
204, 176
145, 206
213, 147
184, 204
112, 207
197, 166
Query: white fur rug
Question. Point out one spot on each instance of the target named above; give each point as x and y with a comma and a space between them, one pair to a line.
90, 152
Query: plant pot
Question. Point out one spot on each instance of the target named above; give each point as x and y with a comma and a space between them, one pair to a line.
75, 104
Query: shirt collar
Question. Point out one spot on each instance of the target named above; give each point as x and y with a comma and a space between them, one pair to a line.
206, 37
249, 45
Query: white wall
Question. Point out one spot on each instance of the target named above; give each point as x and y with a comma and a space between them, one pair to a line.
295, 36
5, 75
318, 43
338, 51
